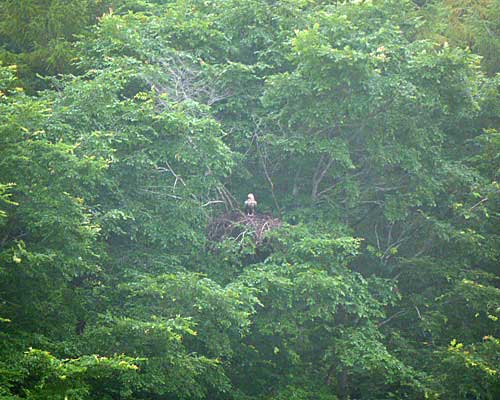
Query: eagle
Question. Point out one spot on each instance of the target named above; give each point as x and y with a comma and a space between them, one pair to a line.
250, 205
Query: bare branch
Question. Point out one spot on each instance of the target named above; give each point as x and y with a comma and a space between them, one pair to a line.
183, 79
177, 177
212, 202
265, 169
399, 313
319, 174
376, 236
418, 312
478, 203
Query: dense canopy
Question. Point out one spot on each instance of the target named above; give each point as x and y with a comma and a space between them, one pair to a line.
131, 132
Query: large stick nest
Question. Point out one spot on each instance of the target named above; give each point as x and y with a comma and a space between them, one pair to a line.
238, 226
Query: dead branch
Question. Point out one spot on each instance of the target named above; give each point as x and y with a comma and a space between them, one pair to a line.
319, 174
177, 177
401, 312
185, 80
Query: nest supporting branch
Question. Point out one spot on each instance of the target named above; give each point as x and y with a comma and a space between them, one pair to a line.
238, 225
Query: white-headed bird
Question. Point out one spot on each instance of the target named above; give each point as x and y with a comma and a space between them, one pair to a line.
250, 205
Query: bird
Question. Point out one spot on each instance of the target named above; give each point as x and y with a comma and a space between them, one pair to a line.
250, 205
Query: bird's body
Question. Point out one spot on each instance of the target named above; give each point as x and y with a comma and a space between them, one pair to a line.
250, 205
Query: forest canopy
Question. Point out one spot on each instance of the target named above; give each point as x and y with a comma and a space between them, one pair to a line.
131, 133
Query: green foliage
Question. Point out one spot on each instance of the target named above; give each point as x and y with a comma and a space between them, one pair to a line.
314, 308
478, 367
369, 127
46, 376
472, 24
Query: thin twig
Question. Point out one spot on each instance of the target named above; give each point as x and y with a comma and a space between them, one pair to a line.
212, 202
268, 177
401, 312
478, 203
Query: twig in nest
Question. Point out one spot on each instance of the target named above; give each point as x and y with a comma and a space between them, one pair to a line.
237, 225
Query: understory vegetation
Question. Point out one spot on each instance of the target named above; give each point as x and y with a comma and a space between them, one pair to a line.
131, 132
